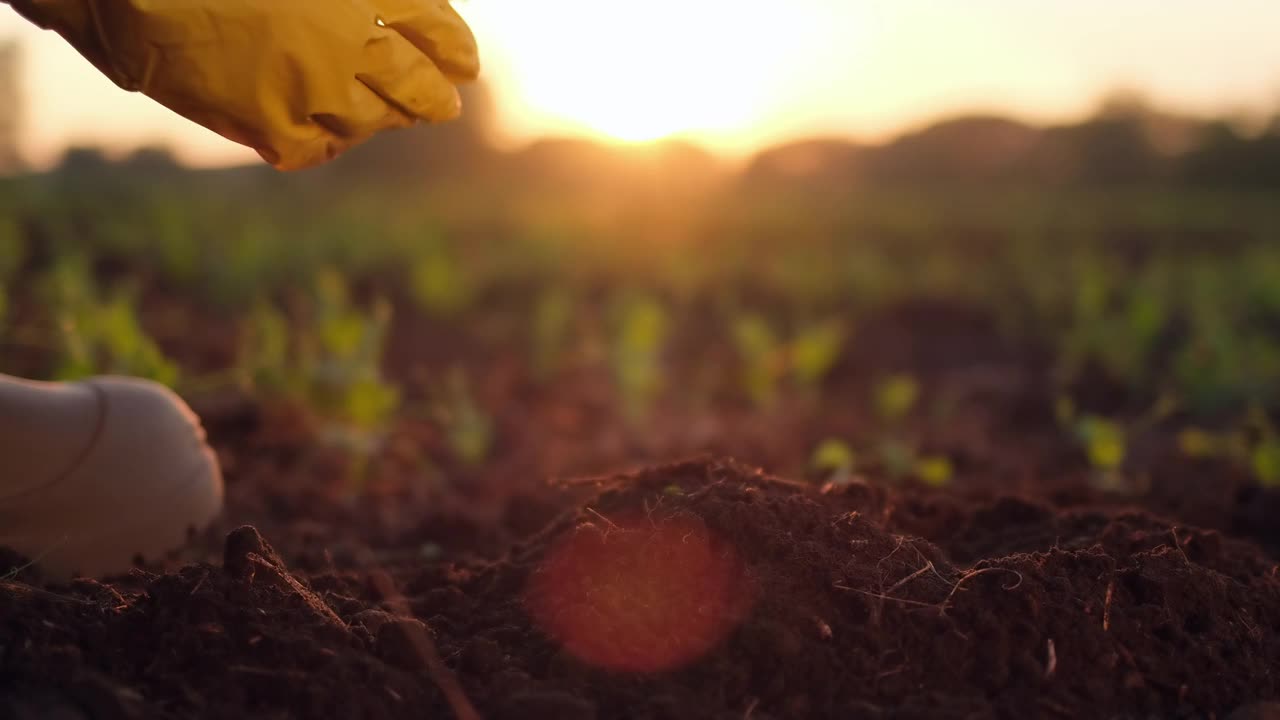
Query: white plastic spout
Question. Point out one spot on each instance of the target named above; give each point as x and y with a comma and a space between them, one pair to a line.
96, 473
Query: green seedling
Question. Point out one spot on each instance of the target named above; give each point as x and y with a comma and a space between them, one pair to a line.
1105, 443
834, 460
761, 355
100, 336
902, 459
467, 427
1225, 364
1253, 444
1265, 462
328, 363
895, 397
1106, 446
439, 284
248, 262
640, 332
342, 356
814, 352
934, 471
1264, 458
265, 361
1115, 323
552, 325
767, 360
177, 249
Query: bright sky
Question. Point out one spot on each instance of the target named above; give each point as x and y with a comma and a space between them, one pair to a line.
739, 74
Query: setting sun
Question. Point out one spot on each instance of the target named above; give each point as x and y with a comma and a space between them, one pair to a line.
739, 75
644, 71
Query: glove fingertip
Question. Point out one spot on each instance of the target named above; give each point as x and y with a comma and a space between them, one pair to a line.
426, 96
463, 70
305, 155
437, 30
269, 156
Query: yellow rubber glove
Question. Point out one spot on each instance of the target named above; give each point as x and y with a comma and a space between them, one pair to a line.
300, 81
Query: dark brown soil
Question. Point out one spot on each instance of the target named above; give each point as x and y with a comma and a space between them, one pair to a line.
428, 588
697, 590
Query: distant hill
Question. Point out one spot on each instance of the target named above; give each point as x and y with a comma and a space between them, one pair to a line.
589, 166
1126, 142
977, 148
838, 161
1122, 144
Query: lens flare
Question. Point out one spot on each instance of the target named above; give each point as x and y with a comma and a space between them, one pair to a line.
640, 595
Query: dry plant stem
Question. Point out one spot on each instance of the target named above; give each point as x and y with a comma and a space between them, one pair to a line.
946, 602
611, 523
426, 648
1106, 607
927, 567
974, 573
284, 579
18, 588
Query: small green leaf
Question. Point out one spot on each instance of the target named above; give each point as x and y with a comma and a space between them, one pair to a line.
552, 322
1266, 463
895, 396
369, 402
760, 354
934, 471
468, 428
639, 337
833, 456
438, 284
1104, 442
815, 351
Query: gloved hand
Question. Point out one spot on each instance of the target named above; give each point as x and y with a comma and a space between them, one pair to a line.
300, 81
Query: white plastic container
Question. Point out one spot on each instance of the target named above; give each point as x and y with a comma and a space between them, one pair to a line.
94, 474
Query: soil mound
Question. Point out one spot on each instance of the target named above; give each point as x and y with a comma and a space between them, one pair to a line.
693, 590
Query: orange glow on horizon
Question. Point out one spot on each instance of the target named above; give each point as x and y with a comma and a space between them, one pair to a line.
739, 75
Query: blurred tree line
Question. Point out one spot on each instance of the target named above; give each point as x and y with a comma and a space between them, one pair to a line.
1127, 141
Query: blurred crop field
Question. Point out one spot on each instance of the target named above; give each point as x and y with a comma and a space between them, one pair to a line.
941, 310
